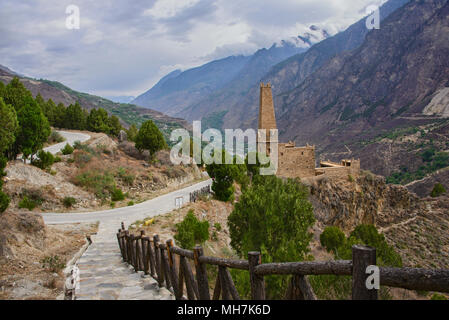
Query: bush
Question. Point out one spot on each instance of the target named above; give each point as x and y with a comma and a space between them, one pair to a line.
68, 149
125, 176
4, 201
332, 238
437, 296
53, 264
191, 231
131, 203
117, 195
81, 158
100, 183
44, 161
27, 203
55, 137
217, 226
438, 190
69, 202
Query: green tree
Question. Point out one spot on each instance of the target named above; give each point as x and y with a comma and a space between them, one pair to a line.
49, 110
98, 121
16, 94
437, 190
34, 129
59, 116
191, 231
273, 217
75, 118
114, 125
150, 138
4, 199
224, 175
8, 126
132, 133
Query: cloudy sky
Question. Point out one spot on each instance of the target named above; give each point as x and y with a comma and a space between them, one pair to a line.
123, 47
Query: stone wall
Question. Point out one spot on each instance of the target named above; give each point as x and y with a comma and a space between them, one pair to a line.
296, 162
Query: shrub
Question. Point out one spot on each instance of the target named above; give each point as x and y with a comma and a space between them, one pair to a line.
44, 161
81, 158
131, 203
438, 190
217, 226
214, 236
332, 238
4, 201
100, 183
53, 263
55, 137
117, 195
437, 296
125, 176
68, 149
69, 202
27, 203
191, 231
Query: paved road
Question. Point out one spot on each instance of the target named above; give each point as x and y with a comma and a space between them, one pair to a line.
70, 137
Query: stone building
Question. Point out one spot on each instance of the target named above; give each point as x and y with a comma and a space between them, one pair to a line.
293, 161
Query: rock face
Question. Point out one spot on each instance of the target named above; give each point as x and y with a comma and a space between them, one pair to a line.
366, 200
122, 136
439, 104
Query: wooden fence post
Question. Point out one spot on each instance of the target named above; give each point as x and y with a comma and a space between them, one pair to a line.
173, 270
160, 276
257, 282
120, 244
362, 257
123, 226
126, 238
201, 274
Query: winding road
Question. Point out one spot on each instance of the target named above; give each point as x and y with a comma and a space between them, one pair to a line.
103, 275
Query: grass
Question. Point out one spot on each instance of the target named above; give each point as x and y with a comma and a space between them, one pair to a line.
102, 184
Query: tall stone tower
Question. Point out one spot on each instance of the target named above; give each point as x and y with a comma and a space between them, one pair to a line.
267, 118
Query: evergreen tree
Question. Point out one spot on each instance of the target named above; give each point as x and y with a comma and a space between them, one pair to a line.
34, 129
114, 125
4, 199
132, 133
150, 138
98, 121
16, 94
59, 116
273, 217
8, 127
49, 110
75, 118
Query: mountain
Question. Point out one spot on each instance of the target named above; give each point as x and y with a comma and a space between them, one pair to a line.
178, 89
291, 72
382, 102
59, 93
187, 94
238, 87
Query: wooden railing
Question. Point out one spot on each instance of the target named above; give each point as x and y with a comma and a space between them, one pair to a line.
170, 266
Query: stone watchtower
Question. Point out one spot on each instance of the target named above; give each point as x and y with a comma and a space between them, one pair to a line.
267, 118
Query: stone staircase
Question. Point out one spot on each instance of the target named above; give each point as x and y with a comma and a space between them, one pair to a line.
104, 276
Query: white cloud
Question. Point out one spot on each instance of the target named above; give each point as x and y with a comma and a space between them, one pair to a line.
125, 47
169, 8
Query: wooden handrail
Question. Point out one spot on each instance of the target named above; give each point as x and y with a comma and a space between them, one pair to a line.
158, 259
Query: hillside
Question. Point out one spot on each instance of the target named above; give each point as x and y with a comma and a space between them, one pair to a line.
209, 88
377, 89
59, 93
291, 72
